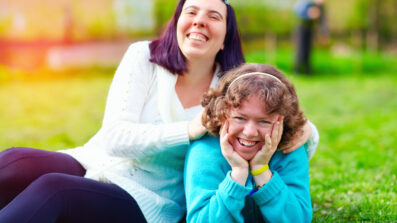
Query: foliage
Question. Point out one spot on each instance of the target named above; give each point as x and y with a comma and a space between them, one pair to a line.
163, 11
257, 19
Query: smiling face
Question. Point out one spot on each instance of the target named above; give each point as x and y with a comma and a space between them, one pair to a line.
248, 126
201, 28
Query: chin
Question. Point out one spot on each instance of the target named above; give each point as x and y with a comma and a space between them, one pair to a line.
247, 157
196, 55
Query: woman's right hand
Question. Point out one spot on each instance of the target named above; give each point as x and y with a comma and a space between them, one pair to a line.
196, 128
240, 166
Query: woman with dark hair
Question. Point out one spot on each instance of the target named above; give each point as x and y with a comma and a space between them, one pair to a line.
132, 169
242, 176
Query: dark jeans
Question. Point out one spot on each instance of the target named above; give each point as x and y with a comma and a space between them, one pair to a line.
42, 186
304, 47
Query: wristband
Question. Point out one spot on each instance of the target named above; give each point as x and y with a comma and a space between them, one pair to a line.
260, 170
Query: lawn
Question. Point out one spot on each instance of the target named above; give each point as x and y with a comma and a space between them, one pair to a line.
353, 173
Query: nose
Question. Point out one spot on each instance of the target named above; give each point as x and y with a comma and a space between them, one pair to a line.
250, 130
199, 21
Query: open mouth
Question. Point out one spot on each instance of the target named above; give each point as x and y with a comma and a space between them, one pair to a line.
197, 37
247, 143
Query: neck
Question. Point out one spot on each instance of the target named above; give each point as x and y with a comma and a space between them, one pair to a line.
191, 86
199, 72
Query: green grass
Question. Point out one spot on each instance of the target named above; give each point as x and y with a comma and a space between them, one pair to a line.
353, 173
52, 112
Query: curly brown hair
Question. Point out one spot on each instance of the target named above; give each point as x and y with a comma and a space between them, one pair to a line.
278, 97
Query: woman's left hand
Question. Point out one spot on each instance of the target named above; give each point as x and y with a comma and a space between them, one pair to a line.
196, 128
299, 139
264, 155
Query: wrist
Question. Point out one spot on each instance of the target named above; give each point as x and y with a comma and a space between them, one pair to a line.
258, 169
239, 175
263, 178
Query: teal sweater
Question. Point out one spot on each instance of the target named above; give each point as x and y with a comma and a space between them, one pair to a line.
212, 196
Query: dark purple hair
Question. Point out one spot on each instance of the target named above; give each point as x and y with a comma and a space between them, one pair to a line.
165, 51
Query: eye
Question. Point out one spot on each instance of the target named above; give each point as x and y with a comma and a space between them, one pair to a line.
264, 122
239, 118
190, 12
214, 17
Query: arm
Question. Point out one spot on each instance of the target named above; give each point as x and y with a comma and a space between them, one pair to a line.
286, 197
312, 142
122, 131
301, 8
310, 138
211, 194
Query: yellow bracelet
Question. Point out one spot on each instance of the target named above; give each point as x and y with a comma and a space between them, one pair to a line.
260, 170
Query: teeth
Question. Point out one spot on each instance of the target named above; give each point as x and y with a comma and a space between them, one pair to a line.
246, 142
198, 37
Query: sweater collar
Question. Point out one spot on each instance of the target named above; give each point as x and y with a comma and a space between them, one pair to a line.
171, 109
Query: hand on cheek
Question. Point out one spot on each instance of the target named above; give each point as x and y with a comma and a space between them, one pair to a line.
264, 155
239, 165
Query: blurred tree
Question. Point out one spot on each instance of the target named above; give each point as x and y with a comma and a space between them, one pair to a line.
163, 11
372, 23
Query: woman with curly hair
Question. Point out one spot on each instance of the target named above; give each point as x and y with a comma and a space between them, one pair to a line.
243, 175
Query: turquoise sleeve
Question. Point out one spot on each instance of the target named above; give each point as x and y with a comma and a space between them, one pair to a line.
211, 195
286, 197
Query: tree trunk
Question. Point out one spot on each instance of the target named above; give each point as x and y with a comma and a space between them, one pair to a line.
372, 38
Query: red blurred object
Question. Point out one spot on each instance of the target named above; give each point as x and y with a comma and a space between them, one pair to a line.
25, 55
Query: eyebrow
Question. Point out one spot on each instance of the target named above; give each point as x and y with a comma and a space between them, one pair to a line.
210, 11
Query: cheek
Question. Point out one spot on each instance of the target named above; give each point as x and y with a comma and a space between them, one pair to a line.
181, 26
179, 30
266, 131
221, 37
222, 31
224, 34
234, 128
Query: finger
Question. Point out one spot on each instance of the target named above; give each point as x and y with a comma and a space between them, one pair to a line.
298, 140
222, 131
268, 142
275, 138
281, 128
224, 136
290, 149
274, 134
292, 146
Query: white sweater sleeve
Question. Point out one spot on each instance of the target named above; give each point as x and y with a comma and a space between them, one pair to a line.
123, 134
313, 141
